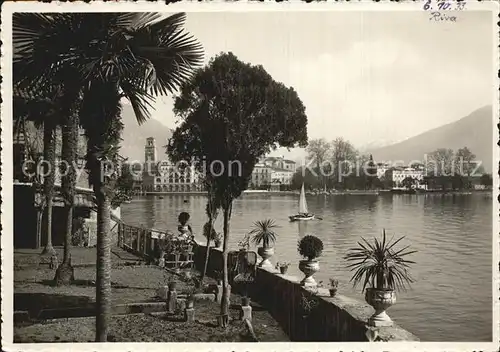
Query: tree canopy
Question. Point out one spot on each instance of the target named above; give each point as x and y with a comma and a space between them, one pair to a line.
233, 113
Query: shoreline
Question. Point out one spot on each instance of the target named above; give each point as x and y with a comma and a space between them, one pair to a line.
346, 193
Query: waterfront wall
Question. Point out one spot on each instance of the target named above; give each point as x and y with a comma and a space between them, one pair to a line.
338, 318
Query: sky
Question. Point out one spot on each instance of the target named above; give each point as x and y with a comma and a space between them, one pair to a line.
369, 77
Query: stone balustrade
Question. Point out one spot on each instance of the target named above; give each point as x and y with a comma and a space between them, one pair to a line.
338, 318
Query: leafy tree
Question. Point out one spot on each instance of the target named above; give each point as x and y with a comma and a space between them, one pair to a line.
441, 162
318, 150
371, 174
114, 56
124, 186
486, 179
305, 177
464, 162
343, 158
233, 113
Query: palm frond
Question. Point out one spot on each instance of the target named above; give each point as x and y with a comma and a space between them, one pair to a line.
378, 264
263, 232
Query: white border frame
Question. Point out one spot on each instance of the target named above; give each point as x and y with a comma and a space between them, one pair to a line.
215, 6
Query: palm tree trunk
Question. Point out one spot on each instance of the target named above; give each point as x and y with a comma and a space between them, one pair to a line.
65, 272
103, 260
103, 127
49, 149
103, 279
224, 310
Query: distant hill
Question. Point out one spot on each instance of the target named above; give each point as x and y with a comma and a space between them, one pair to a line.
134, 136
473, 131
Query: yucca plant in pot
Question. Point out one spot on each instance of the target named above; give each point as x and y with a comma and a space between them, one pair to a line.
383, 270
310, 247
263, 233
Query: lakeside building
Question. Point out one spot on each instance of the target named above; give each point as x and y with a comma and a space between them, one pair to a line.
282, 176
382, 168
164, 176
279, 162
271, 172
398, 174
261, 176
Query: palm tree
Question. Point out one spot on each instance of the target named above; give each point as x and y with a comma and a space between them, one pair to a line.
70, 137
40, 106
117, 55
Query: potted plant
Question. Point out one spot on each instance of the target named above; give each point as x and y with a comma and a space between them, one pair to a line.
309, 247
383, 269
334, 284
282, 267
263, 233
244, 244
218, 240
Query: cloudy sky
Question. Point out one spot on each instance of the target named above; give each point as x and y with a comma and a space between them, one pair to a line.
370, 77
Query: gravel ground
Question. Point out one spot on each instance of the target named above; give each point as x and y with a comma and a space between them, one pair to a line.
33, 288
33, 291
159, 328
79, 256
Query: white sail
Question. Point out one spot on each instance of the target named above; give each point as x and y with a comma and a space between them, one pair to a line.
302, 202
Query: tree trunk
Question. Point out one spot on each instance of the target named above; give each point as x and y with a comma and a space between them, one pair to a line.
65, 272
39, 218
49, 150
207, 253
224, 309
103, 266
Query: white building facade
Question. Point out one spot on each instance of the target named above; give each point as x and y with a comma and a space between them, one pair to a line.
164, 176
399, 174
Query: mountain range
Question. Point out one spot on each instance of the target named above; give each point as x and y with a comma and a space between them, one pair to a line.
473, 131
134, 136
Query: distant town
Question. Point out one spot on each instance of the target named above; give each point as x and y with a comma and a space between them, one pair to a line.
278, 174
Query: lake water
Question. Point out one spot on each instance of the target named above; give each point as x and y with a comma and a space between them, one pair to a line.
451, 299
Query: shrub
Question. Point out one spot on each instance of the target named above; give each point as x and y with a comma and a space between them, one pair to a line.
310, 247
209, 231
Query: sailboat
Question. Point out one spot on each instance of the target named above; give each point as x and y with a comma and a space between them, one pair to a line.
303, 213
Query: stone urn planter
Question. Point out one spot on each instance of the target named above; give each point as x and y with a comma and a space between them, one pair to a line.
266, 253
384, 268
380, 300
308, 267
309, 247
263, 234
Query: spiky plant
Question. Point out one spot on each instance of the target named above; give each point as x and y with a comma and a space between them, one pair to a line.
379, 264
263, 232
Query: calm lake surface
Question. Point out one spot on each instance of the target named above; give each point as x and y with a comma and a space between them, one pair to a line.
451, 299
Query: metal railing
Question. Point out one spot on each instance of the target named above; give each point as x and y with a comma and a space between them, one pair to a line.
154, 244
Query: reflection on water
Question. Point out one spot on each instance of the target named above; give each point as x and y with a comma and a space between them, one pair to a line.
451, 297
